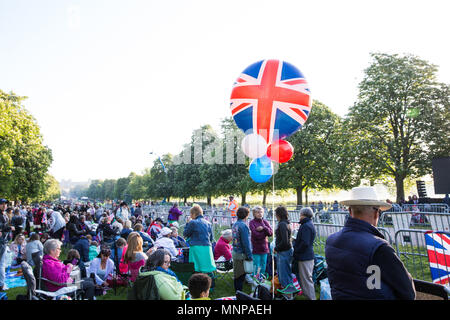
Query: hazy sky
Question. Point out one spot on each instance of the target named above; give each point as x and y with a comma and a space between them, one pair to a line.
110, 81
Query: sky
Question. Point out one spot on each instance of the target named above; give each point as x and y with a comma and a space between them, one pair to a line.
110, 81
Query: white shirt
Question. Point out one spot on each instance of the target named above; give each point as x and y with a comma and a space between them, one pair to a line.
168, 244
95, 266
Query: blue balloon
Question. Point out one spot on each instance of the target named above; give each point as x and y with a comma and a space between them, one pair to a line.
261, 169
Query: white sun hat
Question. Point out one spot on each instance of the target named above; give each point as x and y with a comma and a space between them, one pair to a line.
365, 196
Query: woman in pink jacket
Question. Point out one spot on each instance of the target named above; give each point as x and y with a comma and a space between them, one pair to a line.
53, 269
223, 246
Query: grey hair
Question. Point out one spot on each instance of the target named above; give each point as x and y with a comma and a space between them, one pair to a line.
307, 212
227, 233
257, 208
51, 244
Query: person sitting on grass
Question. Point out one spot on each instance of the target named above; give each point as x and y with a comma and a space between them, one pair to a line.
166, 242
199, 285
73, 257
102, 268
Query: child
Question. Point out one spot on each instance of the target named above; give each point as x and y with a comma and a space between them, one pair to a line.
93, 250
199, 285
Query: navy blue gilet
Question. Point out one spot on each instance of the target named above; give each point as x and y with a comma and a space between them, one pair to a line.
349, 253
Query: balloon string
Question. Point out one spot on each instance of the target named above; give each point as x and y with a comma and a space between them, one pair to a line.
273, 228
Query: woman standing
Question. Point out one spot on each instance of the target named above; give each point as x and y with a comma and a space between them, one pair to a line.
304, 252
283, 250
242, 249
198, 233
260, 230
174, 214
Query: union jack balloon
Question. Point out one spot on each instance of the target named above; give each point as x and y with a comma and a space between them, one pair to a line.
270, 98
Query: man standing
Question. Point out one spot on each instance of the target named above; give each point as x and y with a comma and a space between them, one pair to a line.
232, 207
361, 263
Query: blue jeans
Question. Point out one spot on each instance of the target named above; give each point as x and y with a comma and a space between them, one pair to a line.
259, 261
2, 268
284, 259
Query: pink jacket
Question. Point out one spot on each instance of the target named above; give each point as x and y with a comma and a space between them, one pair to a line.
55, 270
222, 248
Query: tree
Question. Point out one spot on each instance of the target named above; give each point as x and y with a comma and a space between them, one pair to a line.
24, 160
315, 154
400, 120
52, 189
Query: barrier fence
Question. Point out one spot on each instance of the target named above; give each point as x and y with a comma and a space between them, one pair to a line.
404, 230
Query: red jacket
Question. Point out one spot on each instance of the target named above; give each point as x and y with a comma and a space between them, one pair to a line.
222, 248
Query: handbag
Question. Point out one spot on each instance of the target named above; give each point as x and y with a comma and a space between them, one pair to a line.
248, 266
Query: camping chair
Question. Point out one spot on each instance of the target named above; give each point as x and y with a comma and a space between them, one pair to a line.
320, 269
430, 291
35, 294
244, 296
183, 271
224, 271
41, 281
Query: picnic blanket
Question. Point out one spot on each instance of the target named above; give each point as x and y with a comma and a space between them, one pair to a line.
12, 280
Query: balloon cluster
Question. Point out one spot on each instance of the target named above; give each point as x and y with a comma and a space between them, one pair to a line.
269, 96
255, 147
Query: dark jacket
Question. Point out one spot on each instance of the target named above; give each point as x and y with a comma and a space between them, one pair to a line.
260, 245
74, 230
144, 288
82, 245
351, 251
303, 244
283, 236
199, 232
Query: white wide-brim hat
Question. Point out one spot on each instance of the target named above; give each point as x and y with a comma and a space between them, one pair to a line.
165, 231
365, 196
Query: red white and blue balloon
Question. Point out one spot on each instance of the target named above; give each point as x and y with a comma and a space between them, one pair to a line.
270, 101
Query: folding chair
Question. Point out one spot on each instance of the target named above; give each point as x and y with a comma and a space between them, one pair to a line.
224, 271
431, 291
183, 271
41, 281
35, 294
244, 296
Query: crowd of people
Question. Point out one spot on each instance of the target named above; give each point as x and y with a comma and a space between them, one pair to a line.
120, 246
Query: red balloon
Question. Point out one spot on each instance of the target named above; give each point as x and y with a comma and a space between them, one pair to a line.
280, 151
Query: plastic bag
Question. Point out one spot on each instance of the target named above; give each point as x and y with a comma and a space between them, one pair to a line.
325, 290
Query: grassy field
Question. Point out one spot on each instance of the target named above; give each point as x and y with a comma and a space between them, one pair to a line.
416, 263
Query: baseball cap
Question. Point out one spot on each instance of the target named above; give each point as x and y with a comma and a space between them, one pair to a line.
2, 201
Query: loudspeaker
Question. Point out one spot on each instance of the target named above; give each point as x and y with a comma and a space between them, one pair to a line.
441, 175
421, 189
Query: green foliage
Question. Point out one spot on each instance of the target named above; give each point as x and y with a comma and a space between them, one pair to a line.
24, 160
400, 120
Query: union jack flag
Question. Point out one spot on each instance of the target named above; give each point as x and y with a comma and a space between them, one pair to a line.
270, 95
438, 249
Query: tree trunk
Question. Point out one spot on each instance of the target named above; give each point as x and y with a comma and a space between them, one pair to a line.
264, 198
299, 196
168, 199
306, 196
400, 188
185, 199
244, 195
208, 199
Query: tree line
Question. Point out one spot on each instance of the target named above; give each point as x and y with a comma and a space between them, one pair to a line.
397, 125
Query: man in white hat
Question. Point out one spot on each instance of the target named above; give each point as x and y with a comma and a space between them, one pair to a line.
361, 263
166, 242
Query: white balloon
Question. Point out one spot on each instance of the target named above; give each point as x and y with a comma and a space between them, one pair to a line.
254, 145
